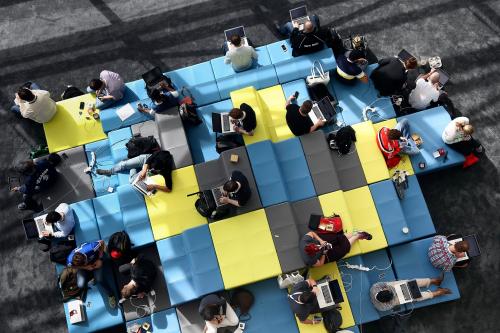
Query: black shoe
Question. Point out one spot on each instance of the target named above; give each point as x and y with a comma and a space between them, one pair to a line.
44, 247
104, 172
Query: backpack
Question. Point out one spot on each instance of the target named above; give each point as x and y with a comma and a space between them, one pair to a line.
141, 145
68, 284
59, 253
332, 319
188, 113
242, 299
226, 142
325, 224
342, 140
205, 204
320, 91
400, 181
119, 246
71, 92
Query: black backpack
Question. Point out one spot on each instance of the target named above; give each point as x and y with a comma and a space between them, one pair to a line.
71, 92
320, 91
120, 242
332, 319
141, 145
226, 142
205, 204
243, 300
342, 140
188, 112
69, 286
60, 252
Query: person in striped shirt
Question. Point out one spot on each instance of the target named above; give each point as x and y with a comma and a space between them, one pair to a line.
444, 255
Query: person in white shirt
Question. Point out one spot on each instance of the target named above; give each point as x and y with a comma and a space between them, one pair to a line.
62, 221
240, 56
426, 91
109, 88
217, 313
458, 135
34, 104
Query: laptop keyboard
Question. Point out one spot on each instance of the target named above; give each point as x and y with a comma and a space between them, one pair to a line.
217, 192
226, 123
40, 225
142, 186
406, 292
325, 290
317, 112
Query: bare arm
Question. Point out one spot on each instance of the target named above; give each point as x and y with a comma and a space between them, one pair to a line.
318, 124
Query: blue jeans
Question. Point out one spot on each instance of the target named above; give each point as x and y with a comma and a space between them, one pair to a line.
409, 147
84, 276
131, 164
101, 104
287, 28
15, 108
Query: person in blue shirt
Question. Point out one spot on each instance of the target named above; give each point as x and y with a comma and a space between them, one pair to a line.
163, 100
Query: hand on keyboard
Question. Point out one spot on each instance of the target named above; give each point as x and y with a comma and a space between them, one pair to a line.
224, 200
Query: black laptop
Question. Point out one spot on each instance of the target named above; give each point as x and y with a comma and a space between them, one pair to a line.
153, 77
30, 228
405, 55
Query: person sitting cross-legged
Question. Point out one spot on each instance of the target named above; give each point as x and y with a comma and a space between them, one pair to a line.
236, 191
297, 117
244, 119
62, 221
444, 255
240, 56
33, 103
458, 136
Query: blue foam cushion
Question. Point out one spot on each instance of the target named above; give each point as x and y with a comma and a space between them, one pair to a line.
200, 80
276, 53
86, 229
294, 169
108, 214
430, 124
354, 329
135, 215
165, 322
415, 210
104, 160
267, 173
117, 141
271, 311
411, 262
290, 88
358, 293
190, 265
201, 138
354, 98
138, 87
110, 120
261, 75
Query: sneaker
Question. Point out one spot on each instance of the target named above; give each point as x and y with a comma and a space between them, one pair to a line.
112, 301
103, 172
22, 206
364, 235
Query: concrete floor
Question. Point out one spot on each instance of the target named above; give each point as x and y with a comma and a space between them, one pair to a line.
60, 42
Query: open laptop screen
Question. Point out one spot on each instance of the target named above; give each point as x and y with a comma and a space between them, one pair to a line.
474, 250
298, 12
404, 55
240, 31
30, 228
443, 77
153, 76
336, 292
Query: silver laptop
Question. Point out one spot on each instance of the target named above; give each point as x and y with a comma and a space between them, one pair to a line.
329, 294
407, 291
299, 15
322, 109
444, 77
33, 227
142, 186
217, 193
240, 31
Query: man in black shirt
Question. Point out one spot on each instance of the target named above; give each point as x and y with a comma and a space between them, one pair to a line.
309, 40
297, 117
303, 301
237, 190
244, 119
142, 276
390, 76
159, 162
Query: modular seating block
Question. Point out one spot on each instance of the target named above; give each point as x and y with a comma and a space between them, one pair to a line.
202, 138
271, 311
108, 214
358, 292
190, 265
358, 212
172, 213
137, 89
273, 101
353, 98
190, 320
69, 128
329, 170
86, 229
411, 262
135, 215
245, 249
199, 79
430, 124
161, 322
261, 75
317, 273
371, 158
290, 88
72, 184
289, 68
111, 121
302, 211
145, 129
395, 214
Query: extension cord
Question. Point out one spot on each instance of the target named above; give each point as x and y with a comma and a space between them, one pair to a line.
358, 267
366, 110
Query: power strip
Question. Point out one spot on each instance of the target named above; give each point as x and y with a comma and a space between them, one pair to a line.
358, 267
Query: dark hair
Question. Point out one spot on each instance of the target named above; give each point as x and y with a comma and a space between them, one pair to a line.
411, 63
235, 113
462, 246
96, 84
306, 106
356, 54
53, 217
157, 96
25, 94
236, 40
394, 134
79, 259
210, 311
307, 297
384, 296
26, 167
54, 159
230, 186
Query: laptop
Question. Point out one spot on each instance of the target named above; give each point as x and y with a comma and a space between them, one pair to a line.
217, 194
142, 186
474, 250
443, 77
322, 109
153, 78
329, 294
299, 15
240, 31
33, 227
221, 123
407, 291
404, 55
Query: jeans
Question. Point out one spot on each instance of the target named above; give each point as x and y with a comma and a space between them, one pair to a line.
409, 147
421, 283
287, 28
15, 108
83, 277
131, 164
101, 104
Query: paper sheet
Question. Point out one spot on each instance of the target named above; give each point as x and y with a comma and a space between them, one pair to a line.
125, 112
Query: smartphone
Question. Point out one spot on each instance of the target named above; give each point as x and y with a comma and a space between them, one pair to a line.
296, 95
241, 326
82, 105
14, 182
283, 47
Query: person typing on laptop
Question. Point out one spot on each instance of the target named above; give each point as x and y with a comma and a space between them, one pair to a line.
244, 119
390, 76
240, 56
383, 295
109, 88
444, 255
62, 221
427, 90
163, 100
298, 119
236, 191
159, 162
303, 301
311, 39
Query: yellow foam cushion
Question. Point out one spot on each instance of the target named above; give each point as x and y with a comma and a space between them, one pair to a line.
245, 249
405, 163
274, 101
172, 213
69, 129
317, 273
249, 96
372, 160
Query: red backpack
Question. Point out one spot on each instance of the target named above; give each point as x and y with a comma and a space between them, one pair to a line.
325, 225
389, 148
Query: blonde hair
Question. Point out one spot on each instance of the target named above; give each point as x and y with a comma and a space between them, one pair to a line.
468, 129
